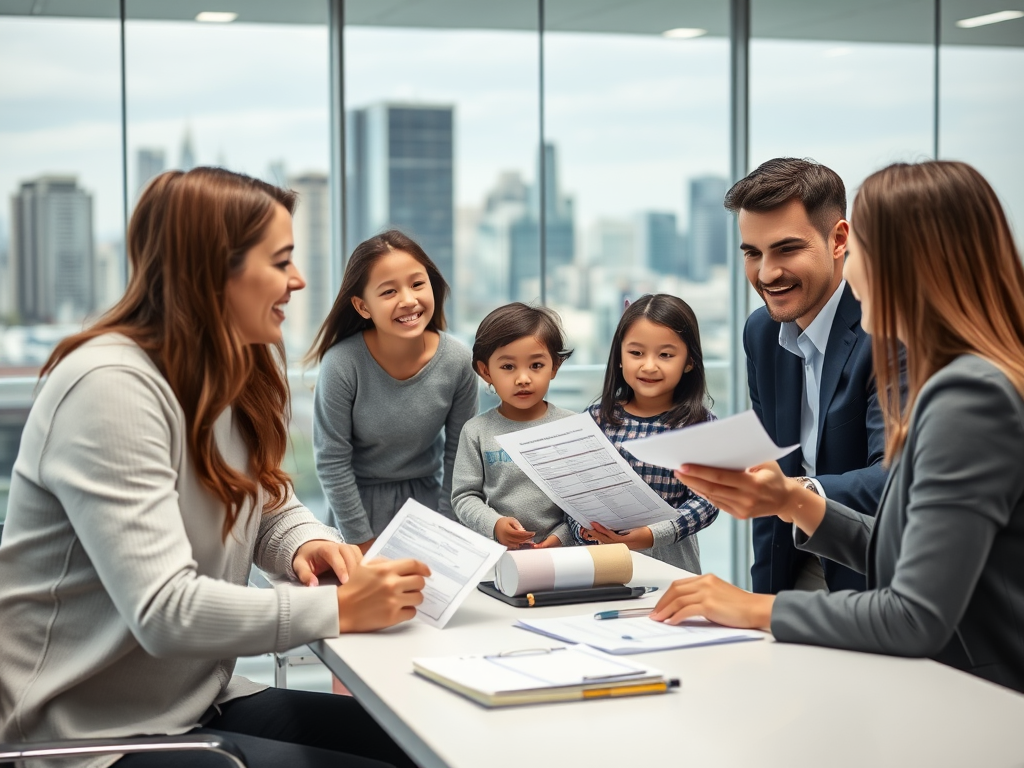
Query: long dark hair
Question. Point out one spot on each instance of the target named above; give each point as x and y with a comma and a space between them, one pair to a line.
189, 233
343, 320
690, 398
944, 272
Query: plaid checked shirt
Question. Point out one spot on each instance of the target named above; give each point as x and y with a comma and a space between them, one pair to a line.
696, 512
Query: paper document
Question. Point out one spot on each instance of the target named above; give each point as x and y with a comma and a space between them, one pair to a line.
737, 442
541, 674
576, 466
458, 557
639, 635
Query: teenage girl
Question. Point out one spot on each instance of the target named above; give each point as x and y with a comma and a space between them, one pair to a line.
393, 391
518, 351
655, 382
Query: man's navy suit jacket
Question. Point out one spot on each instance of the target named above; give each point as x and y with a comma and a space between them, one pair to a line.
851, 434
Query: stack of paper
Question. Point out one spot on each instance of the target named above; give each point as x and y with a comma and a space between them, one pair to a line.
638, 635
542, 675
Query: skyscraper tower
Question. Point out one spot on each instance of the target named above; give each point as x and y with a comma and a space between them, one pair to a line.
312, 255
559, 230
401, 174
149, 162
657, 247
188, 156
52, 250
709, 226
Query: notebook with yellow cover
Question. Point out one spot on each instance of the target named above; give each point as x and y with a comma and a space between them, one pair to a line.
538, 675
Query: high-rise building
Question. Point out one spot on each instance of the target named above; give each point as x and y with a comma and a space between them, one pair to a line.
559, 231
709, 226
52, 251
400, 168
188, 154
149, 162
311, 226
658, 243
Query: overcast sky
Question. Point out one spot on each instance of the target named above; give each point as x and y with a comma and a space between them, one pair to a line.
633, 117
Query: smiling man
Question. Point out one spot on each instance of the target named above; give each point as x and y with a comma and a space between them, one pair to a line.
809, 365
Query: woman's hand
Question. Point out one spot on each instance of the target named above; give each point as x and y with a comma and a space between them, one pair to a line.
715, 600
318, 556
638, 538
380, 593
510, 532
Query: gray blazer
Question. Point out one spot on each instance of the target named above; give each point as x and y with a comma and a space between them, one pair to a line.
944, 557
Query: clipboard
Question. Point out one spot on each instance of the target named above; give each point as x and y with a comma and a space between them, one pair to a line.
560, 596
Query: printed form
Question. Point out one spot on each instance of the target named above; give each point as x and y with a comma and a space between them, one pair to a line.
576, 466
458, 557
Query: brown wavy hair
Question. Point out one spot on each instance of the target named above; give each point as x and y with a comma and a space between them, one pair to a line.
189, 233
343, 320
944, 275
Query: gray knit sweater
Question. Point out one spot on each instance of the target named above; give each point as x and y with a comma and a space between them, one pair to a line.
123, 609
371, 429
489, 486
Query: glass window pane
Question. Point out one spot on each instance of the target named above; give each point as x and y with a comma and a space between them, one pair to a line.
849, 86
62, 215
637, 164
442, 133
981, 106
251, 96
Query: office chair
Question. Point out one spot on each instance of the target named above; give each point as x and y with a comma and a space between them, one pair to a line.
83, 747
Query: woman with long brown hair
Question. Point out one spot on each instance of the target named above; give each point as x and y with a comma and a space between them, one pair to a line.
933, 262
147, 483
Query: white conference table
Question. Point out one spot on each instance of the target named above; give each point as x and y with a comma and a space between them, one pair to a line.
757, 703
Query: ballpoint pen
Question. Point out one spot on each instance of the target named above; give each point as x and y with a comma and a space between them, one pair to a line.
625, 613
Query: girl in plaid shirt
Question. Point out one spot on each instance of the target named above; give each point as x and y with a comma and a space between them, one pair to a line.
655, 382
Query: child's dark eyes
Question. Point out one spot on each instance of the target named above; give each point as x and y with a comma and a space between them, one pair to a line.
283, 265
507, 367
537, 366
419, 284
667, 355
634, 352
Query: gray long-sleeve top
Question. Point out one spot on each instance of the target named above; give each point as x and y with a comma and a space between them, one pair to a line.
943, 556
488, 485
123, 609
370, 428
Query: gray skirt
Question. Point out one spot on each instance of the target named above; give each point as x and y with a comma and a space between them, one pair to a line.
383, 500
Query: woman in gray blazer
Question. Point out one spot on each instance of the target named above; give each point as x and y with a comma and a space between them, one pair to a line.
933, 263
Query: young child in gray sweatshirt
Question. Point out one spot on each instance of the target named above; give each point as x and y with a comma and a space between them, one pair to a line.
518, 351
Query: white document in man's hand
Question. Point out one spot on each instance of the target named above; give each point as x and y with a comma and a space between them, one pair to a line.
737, 442
458, 557
578, 468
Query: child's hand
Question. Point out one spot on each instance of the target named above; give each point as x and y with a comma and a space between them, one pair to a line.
638, 538
548, 543
510, 532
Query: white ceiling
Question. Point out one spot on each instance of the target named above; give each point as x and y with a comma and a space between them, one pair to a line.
882, 21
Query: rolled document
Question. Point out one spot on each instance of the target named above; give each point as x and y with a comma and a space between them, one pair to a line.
539, 570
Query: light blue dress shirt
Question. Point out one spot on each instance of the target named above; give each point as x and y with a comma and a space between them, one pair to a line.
809, 346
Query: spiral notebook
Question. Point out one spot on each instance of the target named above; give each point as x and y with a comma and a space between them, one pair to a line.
538, 675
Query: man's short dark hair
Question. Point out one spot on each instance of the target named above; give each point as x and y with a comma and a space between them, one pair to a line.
775, 182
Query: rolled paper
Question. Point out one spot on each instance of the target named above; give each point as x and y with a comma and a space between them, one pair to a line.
540, 570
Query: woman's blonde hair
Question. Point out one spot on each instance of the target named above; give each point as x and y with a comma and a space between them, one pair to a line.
944, 276
189, 233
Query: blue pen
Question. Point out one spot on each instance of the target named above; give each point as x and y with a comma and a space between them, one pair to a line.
625, 613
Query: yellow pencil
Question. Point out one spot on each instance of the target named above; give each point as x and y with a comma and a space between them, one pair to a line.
626, 690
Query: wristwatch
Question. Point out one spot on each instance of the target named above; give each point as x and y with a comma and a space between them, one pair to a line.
809, 484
